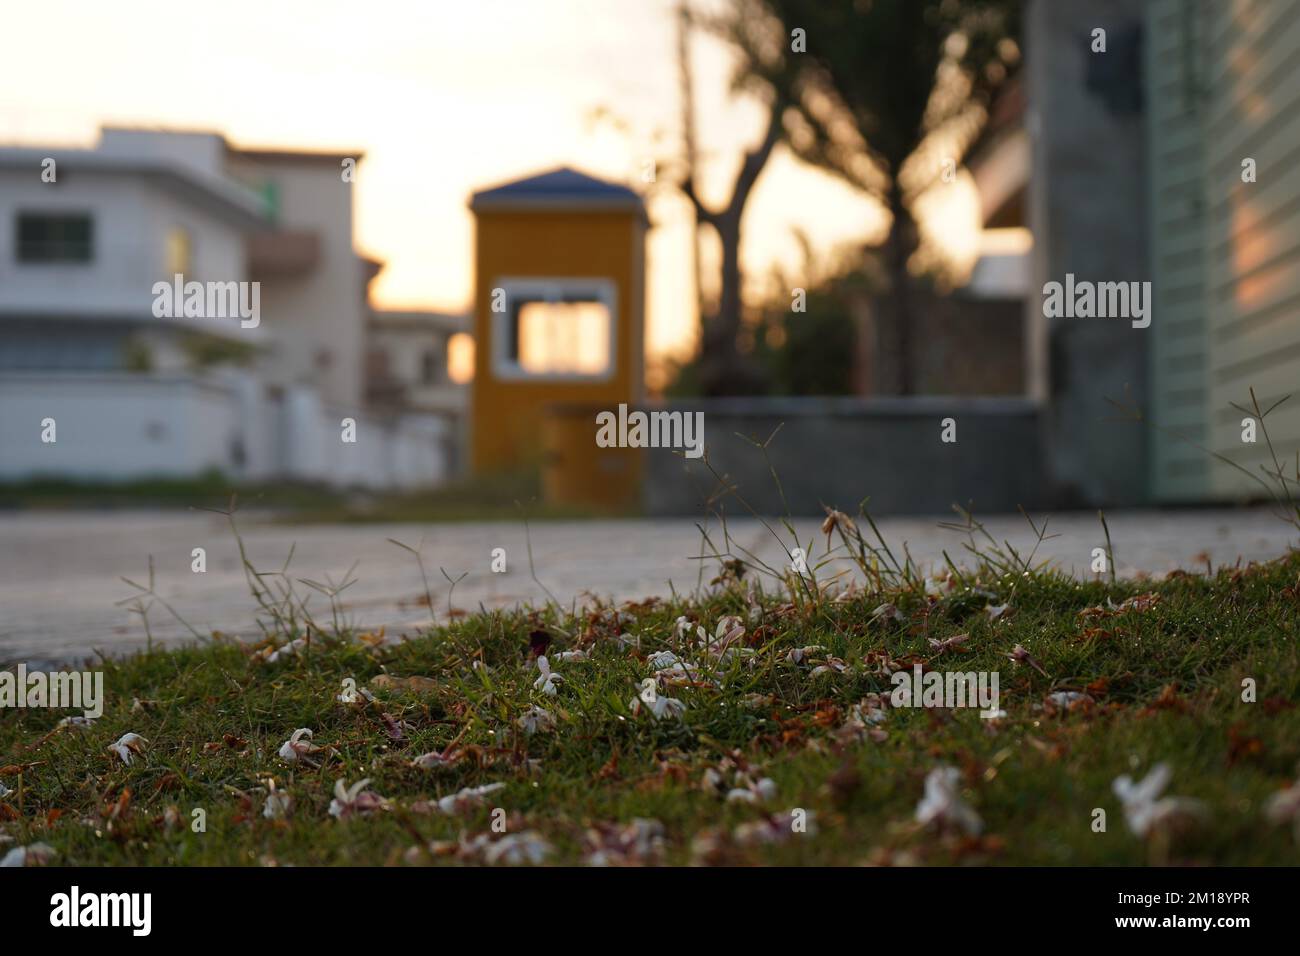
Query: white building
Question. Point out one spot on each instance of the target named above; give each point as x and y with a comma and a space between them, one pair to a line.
87, 235
409, 368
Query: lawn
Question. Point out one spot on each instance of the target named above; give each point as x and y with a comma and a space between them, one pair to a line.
494, 496
735, 726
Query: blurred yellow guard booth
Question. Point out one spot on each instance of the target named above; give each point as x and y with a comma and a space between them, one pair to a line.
559, 332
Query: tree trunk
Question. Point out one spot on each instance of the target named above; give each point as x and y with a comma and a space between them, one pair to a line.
724, 370
902, 242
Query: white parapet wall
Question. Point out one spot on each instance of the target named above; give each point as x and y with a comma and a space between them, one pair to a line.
114, 427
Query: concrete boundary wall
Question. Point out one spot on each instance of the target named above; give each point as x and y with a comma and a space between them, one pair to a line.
838, 451
115, 427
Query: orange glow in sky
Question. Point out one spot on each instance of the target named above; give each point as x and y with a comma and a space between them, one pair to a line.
444, 98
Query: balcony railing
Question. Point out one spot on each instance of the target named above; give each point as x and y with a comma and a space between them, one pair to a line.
283, 252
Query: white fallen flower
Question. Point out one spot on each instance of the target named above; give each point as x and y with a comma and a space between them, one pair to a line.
832, 665
995, 611
729, 654
942, 803
278, 804
887, 612
729, 629
355, 799
569, 657
650, 699
948, 643
77, 723
682, 627
939, 587
128, 746
679, 674
528, 847
752, 791
4, 791
1142, 810
800, 654
1284, 806
773, 829
548, 680
1020, 655
861, 718
868, 711
37, 854
293, 648
467, 798
437, 760
355, 695
752, 599
298, 746
1065, 698
846, 594
536, 719
516, 848
640, 841
662, 660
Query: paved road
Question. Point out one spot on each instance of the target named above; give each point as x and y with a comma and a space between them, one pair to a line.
60, 572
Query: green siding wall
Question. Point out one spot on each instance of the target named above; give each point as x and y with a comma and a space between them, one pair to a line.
1252, 273
1224, 84
1175, 118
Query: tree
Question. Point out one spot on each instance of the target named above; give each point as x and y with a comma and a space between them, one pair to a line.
722, 368
882, 83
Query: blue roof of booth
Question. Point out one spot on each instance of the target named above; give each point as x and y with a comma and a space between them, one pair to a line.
562, 187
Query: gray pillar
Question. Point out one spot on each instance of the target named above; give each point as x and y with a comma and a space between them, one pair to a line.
1087, 211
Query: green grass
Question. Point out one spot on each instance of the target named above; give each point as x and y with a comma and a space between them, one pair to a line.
210, 489
490, 497
1166, 686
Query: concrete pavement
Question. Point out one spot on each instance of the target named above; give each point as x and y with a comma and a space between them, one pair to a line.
60, 573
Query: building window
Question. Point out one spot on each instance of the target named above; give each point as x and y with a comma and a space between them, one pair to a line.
556, 329
54, 237
180, 252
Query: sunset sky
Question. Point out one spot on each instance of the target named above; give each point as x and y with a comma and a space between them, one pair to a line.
444, 98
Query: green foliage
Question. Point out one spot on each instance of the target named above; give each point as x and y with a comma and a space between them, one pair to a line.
137, 357
884, 92
810, 352
485, 497
879, 62
205, 351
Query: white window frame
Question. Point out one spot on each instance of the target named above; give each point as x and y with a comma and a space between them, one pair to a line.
552, 289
